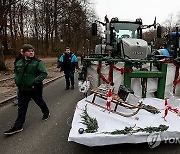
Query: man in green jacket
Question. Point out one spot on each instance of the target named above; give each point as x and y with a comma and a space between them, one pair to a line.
29, 75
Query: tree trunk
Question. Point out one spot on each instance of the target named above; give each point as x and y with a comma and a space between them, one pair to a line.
55, 25
47, 27
11, 29
2, 62
21, 25
36, 26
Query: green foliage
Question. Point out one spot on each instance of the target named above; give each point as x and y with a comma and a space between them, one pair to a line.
150, 129
91, 123
151, 109
126, 130
130, 130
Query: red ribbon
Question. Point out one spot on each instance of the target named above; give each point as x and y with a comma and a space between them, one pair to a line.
169, 108
109, 80
122, 70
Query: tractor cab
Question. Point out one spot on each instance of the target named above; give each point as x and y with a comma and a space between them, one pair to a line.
124, 39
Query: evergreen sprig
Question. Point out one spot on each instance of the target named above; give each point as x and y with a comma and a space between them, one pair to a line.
91, 123
130, 130
151, 109
150, 129
126, 130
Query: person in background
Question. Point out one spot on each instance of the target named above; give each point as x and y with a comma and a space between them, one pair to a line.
68, 62
29, 75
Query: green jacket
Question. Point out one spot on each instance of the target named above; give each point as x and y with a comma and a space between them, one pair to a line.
29, 74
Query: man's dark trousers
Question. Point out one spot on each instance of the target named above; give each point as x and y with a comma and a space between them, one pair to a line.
69, 76
24, 98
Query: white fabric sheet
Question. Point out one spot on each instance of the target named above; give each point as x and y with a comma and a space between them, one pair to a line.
109, 122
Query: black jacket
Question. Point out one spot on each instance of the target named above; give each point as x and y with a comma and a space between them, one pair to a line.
68, 62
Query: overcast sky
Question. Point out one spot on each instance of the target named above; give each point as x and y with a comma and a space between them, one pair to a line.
132, 9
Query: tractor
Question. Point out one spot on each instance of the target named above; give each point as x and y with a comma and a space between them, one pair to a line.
172, 43
124, 47
123, 39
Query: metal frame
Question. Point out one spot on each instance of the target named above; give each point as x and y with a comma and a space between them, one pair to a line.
161, 74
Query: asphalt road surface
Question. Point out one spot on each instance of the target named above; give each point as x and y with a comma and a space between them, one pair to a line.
51, 137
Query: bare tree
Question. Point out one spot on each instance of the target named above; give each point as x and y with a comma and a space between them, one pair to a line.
48, 25
4, 10
169, 23
178, 20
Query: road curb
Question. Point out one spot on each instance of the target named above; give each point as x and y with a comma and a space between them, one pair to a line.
12, 98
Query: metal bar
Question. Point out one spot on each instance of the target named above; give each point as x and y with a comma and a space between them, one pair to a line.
162, 83
111, 73
145, 74
161, 75
118, 60
127, 78
99, 74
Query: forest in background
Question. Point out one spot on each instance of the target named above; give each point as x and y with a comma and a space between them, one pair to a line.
51, 25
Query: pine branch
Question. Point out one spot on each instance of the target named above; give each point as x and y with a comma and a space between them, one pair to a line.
129, 130
91, 123
151, 109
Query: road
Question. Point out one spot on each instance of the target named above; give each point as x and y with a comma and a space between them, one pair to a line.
51, 137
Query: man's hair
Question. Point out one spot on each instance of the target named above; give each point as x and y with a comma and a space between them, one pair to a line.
68, 48
26, 47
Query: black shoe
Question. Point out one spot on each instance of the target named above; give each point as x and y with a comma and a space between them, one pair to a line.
46, 117
67, 88
13, 130
72, 87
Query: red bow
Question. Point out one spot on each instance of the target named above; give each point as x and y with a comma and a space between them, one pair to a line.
169, 108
